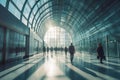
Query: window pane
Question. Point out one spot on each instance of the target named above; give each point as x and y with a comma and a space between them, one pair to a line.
14, 10
26, 11
16, 45
3, 2
24, 20
35, 9
31, 18
29, 25
19, 3
34, 23
37, 15
31, 2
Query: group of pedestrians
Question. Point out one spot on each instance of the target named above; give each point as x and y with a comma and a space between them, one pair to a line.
71, 50
100, 52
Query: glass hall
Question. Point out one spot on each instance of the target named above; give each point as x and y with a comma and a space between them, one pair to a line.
59, 39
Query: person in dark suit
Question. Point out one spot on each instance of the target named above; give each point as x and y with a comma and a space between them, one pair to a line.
44, 50
72, 52
100, 52
66, 52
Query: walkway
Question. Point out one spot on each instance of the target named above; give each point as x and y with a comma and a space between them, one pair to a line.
56, 66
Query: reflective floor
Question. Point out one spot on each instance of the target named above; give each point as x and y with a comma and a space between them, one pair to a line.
57, 66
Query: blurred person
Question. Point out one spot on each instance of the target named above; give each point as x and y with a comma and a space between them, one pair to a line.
100, 53
72, 52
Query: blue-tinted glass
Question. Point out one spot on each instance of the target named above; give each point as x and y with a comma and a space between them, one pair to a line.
47, 5
29, 25
31, 2
3, 2
19, 3
31, 18
37, 15
26, 11
35, 9
24, 20
14, 10
43, 1
1, 42
34, 23
15, 45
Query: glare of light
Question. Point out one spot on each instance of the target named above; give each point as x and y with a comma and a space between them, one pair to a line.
50, 68
82, 73
57, 36
49, 24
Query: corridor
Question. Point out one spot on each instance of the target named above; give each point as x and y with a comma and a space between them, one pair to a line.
36, 34
57, 66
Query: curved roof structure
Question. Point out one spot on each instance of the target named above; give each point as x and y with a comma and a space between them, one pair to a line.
75, 16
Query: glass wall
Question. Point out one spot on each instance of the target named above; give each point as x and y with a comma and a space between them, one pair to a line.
36, 45
14, 10
16, 45
112, 47
1, 43
118, 49
28, 11
3, 2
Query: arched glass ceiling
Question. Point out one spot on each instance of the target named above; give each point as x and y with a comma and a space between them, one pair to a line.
81, 15
51, 21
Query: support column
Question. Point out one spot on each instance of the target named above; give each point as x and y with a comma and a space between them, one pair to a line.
27, 47
118, 46
5, 46
107, 46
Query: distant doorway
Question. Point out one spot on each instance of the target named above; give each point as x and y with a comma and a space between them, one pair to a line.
57, 37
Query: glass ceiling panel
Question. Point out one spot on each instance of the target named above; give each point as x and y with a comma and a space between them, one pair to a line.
43, 1
19, 3
24, 20
26, 10
34, 23
29, 25
14, 10
40, 11
31, 18
47, 5
79, 13
31, 2
3, 2
35, 9
37, 16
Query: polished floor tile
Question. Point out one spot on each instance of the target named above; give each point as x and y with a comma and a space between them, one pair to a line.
57, 66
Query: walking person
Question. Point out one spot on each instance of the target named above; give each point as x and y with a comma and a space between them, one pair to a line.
100, 53
72, 52
44, 50
66, 52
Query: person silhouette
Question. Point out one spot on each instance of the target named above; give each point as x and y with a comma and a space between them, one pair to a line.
100, 52
72, 52
44, 50
66, 51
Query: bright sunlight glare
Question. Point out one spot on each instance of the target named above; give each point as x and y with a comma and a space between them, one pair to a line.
57, 37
